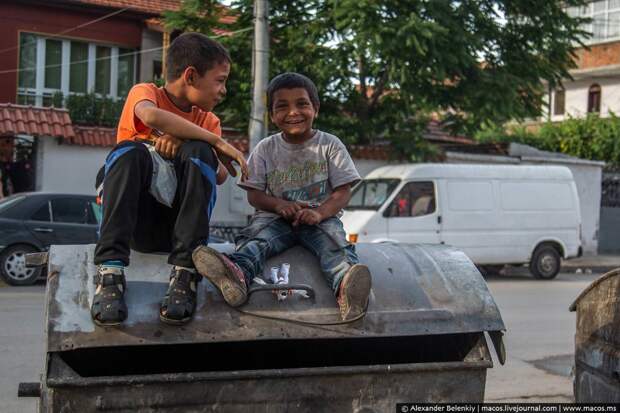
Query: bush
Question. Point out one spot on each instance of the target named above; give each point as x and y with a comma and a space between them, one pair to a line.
90, 109
592, 137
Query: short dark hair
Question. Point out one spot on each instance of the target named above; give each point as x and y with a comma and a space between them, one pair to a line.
194, 49
292, 80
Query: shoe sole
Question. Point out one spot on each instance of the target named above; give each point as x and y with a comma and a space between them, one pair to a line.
173, 322
112, 324
209, 264
357, 290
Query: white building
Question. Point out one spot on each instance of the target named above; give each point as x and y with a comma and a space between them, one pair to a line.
596, 84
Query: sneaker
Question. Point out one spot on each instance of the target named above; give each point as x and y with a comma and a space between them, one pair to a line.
354, 291
223, 273
109, 308
179, 304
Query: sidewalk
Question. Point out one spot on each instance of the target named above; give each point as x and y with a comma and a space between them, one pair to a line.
595, 263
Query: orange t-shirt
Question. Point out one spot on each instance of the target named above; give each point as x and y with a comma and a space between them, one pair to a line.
130, 127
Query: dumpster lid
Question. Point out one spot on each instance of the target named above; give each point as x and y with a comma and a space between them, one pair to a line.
416, 290
606, 276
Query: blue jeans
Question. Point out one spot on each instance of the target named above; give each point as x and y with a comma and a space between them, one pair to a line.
269, 236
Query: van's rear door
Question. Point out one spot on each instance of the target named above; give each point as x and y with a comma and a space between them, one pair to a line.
412, 216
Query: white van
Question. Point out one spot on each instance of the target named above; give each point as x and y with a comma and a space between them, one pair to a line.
496, 214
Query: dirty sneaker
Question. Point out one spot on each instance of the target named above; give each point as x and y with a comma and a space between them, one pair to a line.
222, 273
354, 291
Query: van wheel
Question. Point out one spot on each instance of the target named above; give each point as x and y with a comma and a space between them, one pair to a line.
546, 262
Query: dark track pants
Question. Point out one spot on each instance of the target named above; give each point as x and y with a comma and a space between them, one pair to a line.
133, 218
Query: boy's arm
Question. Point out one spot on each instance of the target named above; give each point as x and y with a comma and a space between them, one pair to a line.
286, 209
332, 205
174, 125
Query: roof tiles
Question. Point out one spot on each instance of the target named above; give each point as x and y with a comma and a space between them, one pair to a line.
93, 136
28, 120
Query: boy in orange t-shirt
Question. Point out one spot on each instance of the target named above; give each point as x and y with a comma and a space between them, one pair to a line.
178, 121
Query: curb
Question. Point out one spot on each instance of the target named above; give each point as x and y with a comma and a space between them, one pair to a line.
594, 268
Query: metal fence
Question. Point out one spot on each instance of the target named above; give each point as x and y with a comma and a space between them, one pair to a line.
610, 193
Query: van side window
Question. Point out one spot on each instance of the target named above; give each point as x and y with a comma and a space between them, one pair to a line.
414, 200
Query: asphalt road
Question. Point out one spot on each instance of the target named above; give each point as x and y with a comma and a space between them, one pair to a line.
539, 339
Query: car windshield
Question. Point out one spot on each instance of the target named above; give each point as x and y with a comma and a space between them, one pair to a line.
10, 201
372, 193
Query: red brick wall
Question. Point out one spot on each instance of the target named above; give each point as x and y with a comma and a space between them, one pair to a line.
599, 55
16, 16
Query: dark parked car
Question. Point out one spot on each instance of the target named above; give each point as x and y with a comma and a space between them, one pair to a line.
31, 222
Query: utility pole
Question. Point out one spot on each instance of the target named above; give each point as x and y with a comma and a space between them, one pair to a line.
260, 71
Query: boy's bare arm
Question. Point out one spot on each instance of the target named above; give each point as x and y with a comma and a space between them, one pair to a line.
286, 209
332, 205
171, 124
174, 125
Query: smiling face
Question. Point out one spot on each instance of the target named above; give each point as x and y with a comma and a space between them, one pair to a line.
293, 113
208, 90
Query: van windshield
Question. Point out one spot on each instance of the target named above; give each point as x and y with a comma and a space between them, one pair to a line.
372, 193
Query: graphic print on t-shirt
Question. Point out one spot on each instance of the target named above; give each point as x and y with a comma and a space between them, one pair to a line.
305, 182
312, 192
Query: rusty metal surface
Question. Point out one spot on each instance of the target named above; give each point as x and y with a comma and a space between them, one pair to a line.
597, 341
417, 290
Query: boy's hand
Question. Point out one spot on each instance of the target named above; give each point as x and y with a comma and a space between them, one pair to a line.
168, 146
228, 153
308, 217
288, 209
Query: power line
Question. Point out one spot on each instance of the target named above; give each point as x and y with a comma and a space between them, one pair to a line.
134, 53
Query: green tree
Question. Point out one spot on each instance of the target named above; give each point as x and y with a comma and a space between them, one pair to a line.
383, 66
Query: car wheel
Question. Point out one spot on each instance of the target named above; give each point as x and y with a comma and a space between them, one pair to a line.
13, 266
546, 262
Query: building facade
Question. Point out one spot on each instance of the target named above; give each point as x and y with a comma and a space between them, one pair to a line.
595, 87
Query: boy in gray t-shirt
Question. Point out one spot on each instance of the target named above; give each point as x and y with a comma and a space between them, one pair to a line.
299, 181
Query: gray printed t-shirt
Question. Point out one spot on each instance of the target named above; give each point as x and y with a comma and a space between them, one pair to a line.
306, 172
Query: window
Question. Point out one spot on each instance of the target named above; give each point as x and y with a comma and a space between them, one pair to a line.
10, 201
416, 199
27, 60
372, 193
594, 99
103, 70
95, 213
70, 210
53, 63
125, 71
78, 72
559, 102
42, 214
605, 15
48, 65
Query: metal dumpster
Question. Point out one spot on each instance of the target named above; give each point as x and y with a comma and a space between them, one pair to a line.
597, 341
422, 340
